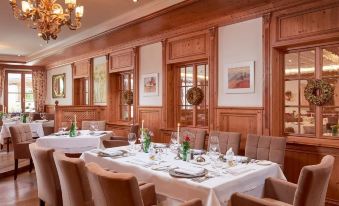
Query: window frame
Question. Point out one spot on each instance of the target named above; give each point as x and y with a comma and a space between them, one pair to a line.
121, 90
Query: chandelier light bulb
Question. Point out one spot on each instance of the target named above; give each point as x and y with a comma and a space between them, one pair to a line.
79, 11
25, 6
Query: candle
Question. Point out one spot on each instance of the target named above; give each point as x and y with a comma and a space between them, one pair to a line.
178, 133
142, 124
75, 118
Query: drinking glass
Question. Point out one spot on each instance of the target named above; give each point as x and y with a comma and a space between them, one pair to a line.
132, 138
174, 138
214, 151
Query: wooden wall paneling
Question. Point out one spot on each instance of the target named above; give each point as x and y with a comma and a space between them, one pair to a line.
136, 79
122, 60
242, 120
152, 120
169, 94
188, 47
213, 76
119, 130
165, 81
50, 109
81, 69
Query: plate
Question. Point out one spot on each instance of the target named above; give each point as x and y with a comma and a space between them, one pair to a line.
263, 162
173, 173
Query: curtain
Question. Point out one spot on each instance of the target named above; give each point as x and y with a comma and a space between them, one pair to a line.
2, 80
39, 79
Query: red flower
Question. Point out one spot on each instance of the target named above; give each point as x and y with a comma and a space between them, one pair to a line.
187, 138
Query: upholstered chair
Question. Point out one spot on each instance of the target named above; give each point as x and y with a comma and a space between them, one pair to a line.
86, 125
114, 143
118, 189
310, 191
49, 190
197, 137
266, 148
194, 202
21, 137
134, 129
227, 140
73, 181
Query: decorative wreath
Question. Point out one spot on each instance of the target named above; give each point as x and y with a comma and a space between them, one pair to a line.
326, 92
195, 96
128, 97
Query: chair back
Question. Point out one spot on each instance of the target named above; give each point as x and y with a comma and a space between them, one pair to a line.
197, 137
73, 180
21, 137
266, 148
114, 143
86, 125
313, 183
134, 129
193, 202
227, 140
108, 188
48, 181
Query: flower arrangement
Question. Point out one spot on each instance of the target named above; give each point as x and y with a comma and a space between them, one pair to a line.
24, 118
185, 147
145, 140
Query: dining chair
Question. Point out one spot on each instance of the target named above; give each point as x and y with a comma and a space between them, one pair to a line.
197, 137
310, 191
193, 202
118, 189
115, 142
227, 140
266, 148
134, 129
49, 190
21, 137
73, 180
86, 125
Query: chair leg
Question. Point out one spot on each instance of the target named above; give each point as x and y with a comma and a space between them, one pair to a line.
30, 165
16, 163
42, 203
7, 145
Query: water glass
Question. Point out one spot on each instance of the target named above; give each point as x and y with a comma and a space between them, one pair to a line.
132, 138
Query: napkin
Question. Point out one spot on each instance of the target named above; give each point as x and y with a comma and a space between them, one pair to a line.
229, 154
111, 152
189, 170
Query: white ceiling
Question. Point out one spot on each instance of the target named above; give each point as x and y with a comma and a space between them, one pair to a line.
99, 16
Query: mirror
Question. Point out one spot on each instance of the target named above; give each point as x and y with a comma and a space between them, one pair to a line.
58, 85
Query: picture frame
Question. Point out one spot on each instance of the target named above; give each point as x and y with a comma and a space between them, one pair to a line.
239, 78
100, 75
59, 86
150, 84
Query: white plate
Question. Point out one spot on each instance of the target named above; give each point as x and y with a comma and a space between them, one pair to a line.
263, 162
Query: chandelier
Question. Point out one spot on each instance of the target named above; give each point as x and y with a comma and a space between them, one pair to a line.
47, 16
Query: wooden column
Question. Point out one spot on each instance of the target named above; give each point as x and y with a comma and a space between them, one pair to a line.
266, 73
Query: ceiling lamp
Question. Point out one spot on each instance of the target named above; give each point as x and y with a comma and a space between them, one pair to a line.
47, 16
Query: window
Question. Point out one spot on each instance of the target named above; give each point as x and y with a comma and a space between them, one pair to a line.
192, 75
19, 92
125, 84
300, 117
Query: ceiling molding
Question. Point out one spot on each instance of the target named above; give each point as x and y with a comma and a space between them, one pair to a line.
12, 59
104, 27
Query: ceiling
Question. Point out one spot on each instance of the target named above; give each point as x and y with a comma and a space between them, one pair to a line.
99, 16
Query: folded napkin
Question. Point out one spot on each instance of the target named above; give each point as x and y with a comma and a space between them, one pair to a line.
189, 170
238, 170
111, 152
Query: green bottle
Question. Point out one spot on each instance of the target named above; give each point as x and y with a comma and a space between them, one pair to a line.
73, 130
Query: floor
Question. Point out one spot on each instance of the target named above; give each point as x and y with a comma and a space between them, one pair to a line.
7, 161
22, 192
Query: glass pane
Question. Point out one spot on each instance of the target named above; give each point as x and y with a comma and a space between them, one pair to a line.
186, 115
131, 81
207, 76
189, 76
307, 64
335, 84
303, 101
182, 75
292, 93
124, 113
125, 82
182, 100
330, 61
307, 121
291, 120
201, 75
131, 111
14, 82
14, 93
291, 65
330, 120
187, 88
99, 83
28, 83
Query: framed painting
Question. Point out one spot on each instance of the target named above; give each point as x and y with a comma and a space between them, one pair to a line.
59, 85
239, 78
150, 84
100, 80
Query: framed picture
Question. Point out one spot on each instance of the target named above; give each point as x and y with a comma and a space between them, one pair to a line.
239, 78
99, 80
59, 86
150, 85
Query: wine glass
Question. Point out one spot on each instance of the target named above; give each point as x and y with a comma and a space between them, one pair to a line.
132, 138
214, 150
174, 137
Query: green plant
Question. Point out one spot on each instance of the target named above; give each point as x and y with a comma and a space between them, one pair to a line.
146, 135
185, 147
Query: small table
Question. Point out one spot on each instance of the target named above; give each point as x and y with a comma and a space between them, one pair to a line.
215, 191
78, 144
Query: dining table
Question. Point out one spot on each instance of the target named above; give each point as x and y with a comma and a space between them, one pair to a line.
214, 189
84, 141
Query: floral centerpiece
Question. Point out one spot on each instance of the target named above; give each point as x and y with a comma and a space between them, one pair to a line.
73, 130
24, 118
185, 148
2, 114
145, 139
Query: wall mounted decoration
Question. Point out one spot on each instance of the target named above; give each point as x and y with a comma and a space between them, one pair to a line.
326, 92
195, 95
239, 77
150, 84
99, 80
59, 86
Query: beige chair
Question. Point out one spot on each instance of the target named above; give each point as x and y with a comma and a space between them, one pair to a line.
86, 125
310, 191
197, 137
118, 189
227, 140
49, 190
266, 148
21, 137
194, 202
73, 181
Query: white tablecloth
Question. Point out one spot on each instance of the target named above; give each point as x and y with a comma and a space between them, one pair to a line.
213, 192
78, 144
36, 128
